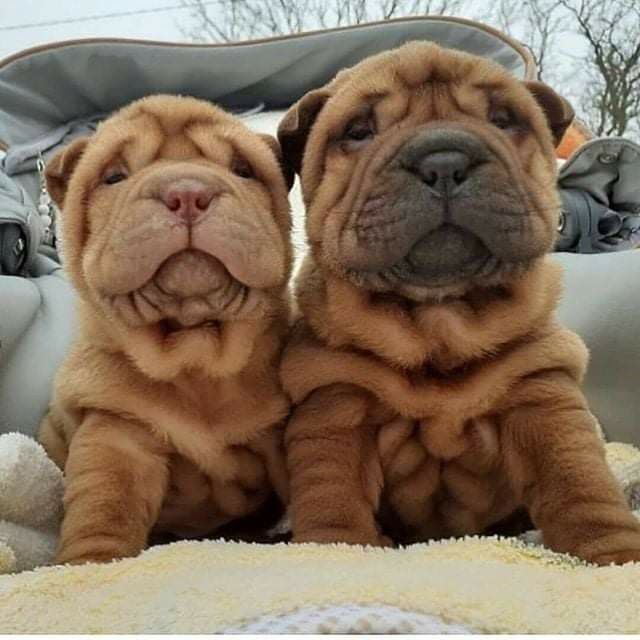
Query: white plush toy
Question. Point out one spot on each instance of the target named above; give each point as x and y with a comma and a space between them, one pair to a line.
31, 489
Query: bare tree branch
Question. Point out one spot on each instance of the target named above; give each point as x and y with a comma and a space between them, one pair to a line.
610, 97
228, 20
538, 24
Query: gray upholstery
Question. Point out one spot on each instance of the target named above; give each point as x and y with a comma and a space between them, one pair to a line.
36, 325
601, 303
57, 84
600, 186
49, 95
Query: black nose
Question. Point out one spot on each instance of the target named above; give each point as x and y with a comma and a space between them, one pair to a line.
443, 171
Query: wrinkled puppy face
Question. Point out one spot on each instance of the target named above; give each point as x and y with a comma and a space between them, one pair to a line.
175, 214
427, 171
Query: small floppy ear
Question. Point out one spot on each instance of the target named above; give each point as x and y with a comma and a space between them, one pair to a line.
60, 168
558, 111
287, 171
294, 128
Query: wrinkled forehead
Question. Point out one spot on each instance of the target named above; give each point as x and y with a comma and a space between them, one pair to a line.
427, 82
141, 138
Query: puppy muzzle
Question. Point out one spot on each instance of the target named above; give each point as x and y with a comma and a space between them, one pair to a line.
442, 208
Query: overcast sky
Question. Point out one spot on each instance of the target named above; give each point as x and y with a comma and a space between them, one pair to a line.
159, 26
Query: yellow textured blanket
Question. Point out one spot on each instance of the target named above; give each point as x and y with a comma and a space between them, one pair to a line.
484, 584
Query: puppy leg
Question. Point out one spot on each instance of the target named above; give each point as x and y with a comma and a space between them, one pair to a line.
335, 482
51, 436
116, 476
556, 462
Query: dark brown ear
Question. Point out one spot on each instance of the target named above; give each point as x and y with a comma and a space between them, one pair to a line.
287, 171
558, 111
294, 128
60, 168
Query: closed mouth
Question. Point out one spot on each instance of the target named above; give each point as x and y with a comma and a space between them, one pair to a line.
171, 326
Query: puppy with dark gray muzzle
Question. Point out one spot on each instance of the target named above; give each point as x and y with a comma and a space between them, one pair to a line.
436, 393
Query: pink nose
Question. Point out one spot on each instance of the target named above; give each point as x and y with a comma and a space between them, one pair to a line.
188, 199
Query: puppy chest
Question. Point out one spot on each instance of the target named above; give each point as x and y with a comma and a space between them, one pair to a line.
217, 427
197, 502
443, 435
441, 477
241, 406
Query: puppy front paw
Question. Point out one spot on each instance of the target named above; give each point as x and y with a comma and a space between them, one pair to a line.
84, 552
617, 557
616, 546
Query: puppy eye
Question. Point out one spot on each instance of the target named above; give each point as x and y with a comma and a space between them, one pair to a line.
360, 130
114, 177
503, 118
242, 169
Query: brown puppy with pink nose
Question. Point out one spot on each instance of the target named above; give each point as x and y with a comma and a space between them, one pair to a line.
166, 413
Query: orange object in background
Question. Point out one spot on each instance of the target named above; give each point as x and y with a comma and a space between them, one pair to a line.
575, 136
